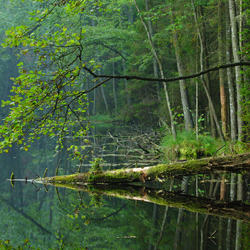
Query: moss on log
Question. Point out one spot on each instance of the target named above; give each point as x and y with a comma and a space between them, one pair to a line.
235, 163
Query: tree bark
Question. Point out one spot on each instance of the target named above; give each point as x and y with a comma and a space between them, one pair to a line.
232, 107
221, 72
236, 163
236, 50
183, 86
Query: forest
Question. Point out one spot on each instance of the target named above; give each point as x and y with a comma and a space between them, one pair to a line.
159, 82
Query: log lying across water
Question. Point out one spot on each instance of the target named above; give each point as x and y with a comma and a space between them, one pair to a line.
235, 163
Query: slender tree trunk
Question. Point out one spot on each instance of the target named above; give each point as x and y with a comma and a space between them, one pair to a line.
151, 31
230, 78
94, 102
161, 71
126, 84
114, 91
203, 80
221, 71
183, 86
105, 99
206, 63
235, 48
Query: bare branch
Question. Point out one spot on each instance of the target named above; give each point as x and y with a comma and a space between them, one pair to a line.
224, 66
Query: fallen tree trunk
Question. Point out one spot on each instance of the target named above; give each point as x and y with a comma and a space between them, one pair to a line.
234, 210
235, 163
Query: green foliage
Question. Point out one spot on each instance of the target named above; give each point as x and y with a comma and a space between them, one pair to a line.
96, 165
187, 146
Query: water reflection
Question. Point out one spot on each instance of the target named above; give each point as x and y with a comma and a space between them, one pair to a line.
130, 217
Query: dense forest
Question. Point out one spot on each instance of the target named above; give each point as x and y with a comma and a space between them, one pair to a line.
124, 60
175, 72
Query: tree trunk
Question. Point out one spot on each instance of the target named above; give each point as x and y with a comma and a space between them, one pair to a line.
236, 163
230, 79
235, 48
161, 71
114, 91
126, 84
202, 78
221, 71
183, 86
206, 62
151, 32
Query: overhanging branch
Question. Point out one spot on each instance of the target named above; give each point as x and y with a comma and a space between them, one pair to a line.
224, 66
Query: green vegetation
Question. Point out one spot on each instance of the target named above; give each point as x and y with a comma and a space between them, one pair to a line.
187, 146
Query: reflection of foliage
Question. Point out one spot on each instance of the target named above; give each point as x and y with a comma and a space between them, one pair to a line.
5, 244
96, 200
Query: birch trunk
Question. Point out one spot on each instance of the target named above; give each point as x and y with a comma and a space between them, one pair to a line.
236, 50
230, 79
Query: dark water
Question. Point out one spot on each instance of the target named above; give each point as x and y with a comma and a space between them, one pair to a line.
50, 218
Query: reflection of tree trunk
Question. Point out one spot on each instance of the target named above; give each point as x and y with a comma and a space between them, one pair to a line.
44, 230
229, 234
154, 221
230, 221
239, 223
164, 219
184, 189
235, 209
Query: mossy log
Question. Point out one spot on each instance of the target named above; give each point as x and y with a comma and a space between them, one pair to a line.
235, 163
234, 210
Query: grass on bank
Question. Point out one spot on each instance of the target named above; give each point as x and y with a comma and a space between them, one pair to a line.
186, 146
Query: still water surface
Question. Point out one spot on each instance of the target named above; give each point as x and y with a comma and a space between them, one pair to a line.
62, 218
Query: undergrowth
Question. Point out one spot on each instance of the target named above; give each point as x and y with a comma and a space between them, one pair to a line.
186, 146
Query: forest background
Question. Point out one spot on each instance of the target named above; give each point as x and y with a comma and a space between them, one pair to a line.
65, 64
67, 61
